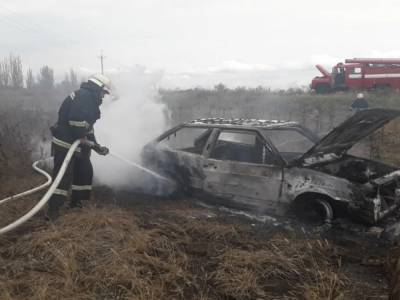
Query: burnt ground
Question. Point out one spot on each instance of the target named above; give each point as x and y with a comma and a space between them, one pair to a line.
128, 246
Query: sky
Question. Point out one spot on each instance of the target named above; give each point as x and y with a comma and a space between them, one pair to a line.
200, 43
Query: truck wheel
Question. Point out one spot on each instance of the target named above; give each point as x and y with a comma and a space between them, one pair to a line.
322, 88
382, 88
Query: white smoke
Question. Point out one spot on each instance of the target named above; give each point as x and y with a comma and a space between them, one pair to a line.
127, 124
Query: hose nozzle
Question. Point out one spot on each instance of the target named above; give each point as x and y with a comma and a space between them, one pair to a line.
97, 147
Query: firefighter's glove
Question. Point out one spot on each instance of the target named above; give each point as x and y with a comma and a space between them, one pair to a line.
102, 150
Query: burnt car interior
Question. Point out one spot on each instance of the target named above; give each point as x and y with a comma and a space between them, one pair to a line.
188, 139
241, 145
238, 146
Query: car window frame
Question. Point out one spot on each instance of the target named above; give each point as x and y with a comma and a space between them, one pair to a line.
182, 126
261, 131
302, 130
266, 144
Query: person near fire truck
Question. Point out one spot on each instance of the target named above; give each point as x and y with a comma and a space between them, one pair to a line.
360, 103
76, 117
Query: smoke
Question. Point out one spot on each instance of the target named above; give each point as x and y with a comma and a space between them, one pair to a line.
127, 124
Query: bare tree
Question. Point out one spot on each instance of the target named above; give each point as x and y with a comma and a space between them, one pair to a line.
73, 78
46, 78
30, 80
66, 84
16, 74
4, 73
220, 88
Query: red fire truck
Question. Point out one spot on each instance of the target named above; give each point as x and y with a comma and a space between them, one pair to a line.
359, 74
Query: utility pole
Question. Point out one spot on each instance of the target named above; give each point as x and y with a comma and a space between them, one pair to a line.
102, 57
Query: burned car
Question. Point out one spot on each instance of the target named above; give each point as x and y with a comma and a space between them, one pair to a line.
267, 165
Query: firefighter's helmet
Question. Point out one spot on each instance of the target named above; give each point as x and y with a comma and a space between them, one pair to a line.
102, 81
360, 96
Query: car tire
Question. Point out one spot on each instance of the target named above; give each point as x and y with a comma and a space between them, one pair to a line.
327, 210
315, 212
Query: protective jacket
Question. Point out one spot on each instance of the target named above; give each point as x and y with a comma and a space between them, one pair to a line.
359, 104
77, 115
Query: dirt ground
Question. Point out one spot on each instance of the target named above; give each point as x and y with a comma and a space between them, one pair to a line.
127, 246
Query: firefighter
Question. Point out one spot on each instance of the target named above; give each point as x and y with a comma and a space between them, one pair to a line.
360, 103
76, 117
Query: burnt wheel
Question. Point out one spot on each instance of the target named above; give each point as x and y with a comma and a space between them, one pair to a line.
314, 212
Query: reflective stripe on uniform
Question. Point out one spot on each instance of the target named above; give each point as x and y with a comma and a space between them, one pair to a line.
82, 124
98, 82
81, 187
61, 192
64, 144
91, 131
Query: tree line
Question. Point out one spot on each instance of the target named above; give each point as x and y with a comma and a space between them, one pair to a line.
12, 76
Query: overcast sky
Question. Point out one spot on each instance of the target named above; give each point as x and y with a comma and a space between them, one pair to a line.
200, 42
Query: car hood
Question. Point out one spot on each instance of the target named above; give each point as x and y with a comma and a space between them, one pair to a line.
346, 135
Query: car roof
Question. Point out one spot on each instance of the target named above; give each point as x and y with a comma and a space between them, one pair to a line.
242, 123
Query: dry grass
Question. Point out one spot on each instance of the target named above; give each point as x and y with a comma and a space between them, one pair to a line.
108, 253
96, 254
303, 269
385, 143
393, 266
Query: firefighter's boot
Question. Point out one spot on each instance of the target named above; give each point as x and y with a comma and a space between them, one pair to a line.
75, 204
53, 210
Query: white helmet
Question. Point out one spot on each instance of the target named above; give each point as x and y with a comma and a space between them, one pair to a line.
101, 81
360, 96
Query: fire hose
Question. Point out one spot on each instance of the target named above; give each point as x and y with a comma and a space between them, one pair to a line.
46, 196
53, 186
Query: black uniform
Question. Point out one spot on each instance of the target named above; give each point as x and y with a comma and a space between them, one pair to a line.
359, 104
76, 117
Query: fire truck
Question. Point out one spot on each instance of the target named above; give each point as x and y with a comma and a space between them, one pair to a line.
359, 74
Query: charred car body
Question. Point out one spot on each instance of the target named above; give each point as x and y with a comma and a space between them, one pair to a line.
270, 165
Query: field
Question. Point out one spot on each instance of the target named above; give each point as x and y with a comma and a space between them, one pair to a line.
130, 246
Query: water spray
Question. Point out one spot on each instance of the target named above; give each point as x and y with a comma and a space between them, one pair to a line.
139, 167
97, 147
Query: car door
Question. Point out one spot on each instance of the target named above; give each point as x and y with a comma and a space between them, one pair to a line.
179, 156
242, 170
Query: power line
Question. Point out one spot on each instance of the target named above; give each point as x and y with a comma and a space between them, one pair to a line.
35, 28
14, 24
24, 25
